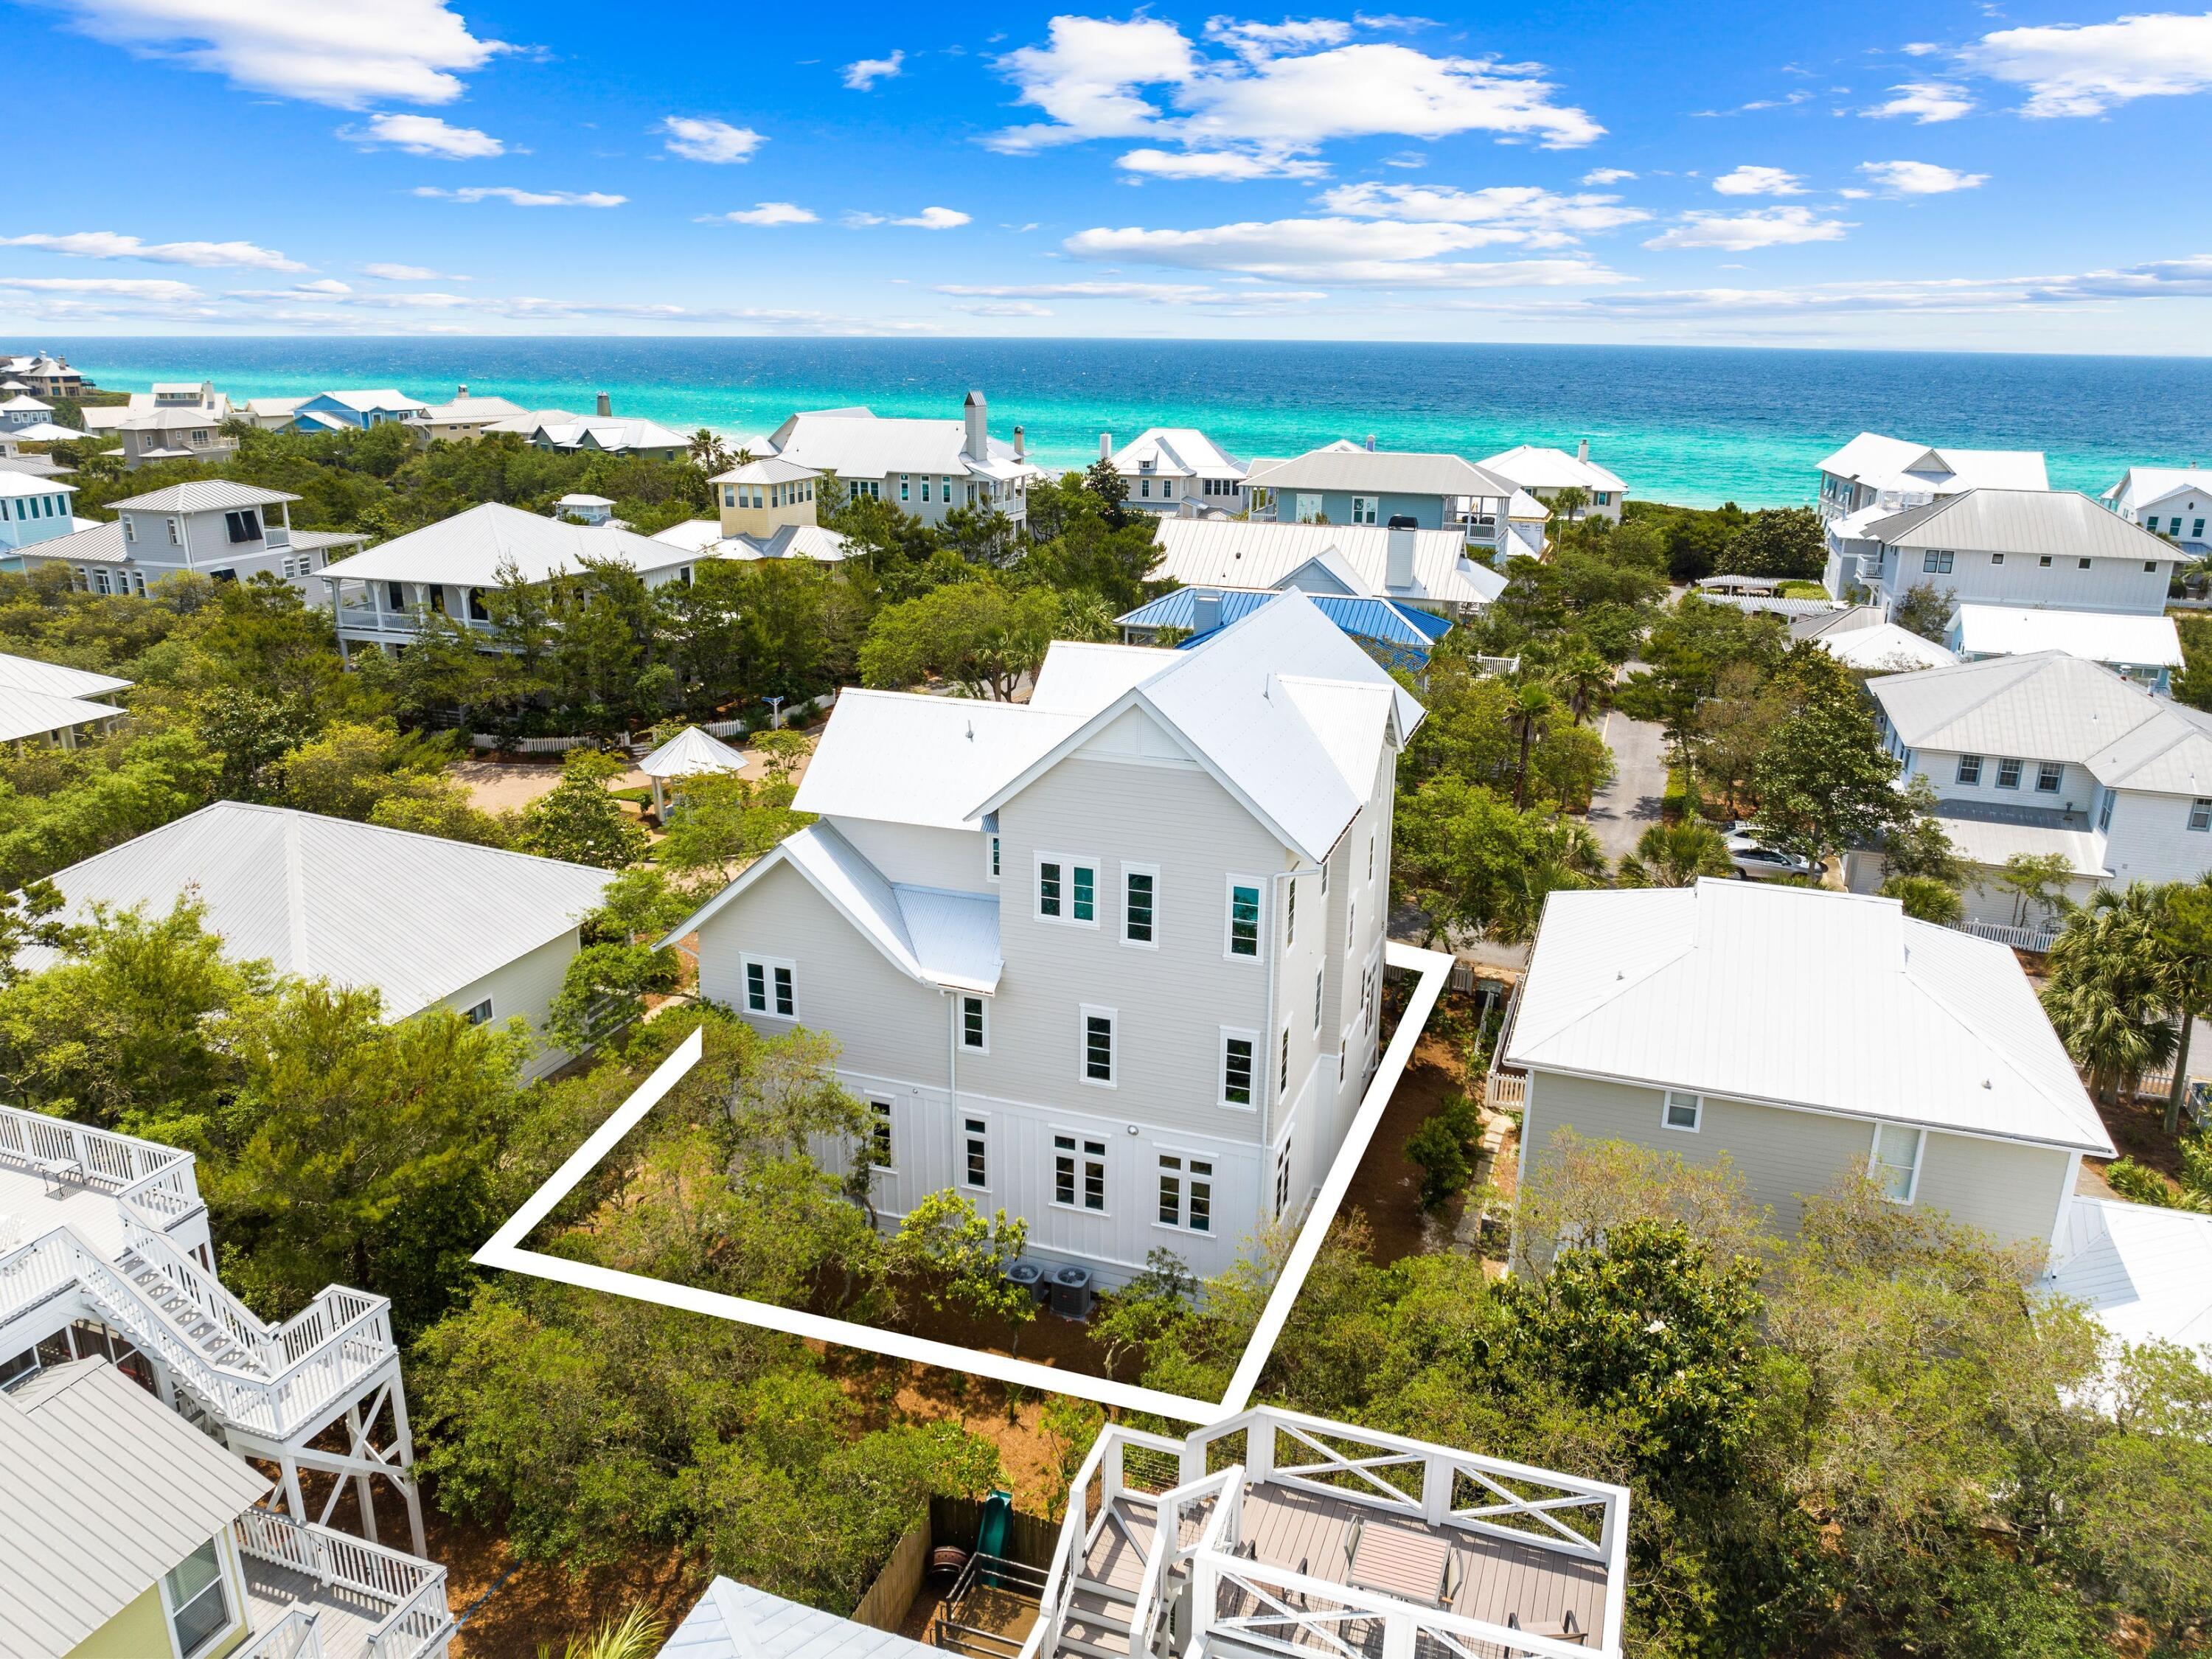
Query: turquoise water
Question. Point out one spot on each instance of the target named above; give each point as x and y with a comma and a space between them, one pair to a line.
1695, 425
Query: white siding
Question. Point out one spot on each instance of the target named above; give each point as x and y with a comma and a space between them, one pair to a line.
2150, 840
2077, 788
526, 986
957, 859
2120, 585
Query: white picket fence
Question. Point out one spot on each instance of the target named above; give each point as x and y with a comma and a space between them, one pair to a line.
2039, 940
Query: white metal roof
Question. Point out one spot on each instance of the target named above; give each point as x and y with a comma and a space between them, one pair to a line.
25, 401
704, 537
24, 483
109, 1490
2031, 523
363, 403
736, 1621
1081, 677
45, 432
929, 935
1989, 840
473, 547
35, 714
2147, 486
1909, 469
1176, 452
267, 406
94, 544
470, 409
2145, 1272
907, 758
1532, 467
765, 470
1384, 472
852, 443
2006, 630
1706, 987
1885, 648
415, 917
2045, 704
1241, 553
203, 495
690, 753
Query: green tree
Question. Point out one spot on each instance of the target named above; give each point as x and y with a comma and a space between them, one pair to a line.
1475, 862
2037, 882
1676, 855
2110, 991
983, 636
1443, 1147
1530, 710
1111, 489
1926, 610
577, 820
1926, 899
1824, 782
637, 1634
1780, 542
727, 819
2183, 933
950, 1256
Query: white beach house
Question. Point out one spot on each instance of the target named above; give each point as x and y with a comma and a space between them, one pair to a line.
1110, 959
2173, 502
924, 467
217, 528
1427, 569
1342, 484
44, 702
2146, 648
1176, 469
1544, 473
603, 433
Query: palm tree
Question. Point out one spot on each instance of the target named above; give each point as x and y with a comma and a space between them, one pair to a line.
2184, 938
636, 1636
1582, 677
1531, 708
2111, 995
707, 450
1676, 855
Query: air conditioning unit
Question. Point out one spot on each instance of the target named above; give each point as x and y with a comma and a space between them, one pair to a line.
1071, 1293
1029, 1277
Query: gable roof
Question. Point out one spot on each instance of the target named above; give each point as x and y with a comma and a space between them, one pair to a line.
905, 757
469, 409
415, 917
113, 1490
1896, 464
1532, 467
854, 443
1885, 648
473, 546
1385, 472
1255, 553
736, 1621
204, 495
367, 402
2144, 486
1176, 452
931, 934
2145, 1273
2030, 522
1704, 988
1983, 630
764, 470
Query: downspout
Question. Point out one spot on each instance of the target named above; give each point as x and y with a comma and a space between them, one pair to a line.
1270, 1051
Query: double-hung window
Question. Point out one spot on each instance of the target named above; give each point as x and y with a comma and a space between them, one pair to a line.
1290, 912
199, 1599
1098, 1047
1068, 889
993, 839
1283, 1070
1140, 887
1682, 1112
1363, 509
1282, 1179
2007, 773
1936, 564
2200, 813
1236, 1049
1244, 917
1189, 1205
979, 1152
2047, 776
1894, 1165
1317, 979
1086, 1174
771, 988
1970, 769
974, 1025
880, 1134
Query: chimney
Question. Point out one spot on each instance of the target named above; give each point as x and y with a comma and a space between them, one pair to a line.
1582, 449
1205, 612
978, 419
461, 391
1020, 445
1370, 443
606, 405
1105, 446
1398, 563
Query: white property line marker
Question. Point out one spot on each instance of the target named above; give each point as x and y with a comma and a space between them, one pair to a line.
505, 1248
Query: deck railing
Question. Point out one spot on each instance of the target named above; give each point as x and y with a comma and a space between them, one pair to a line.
418, 1624
295, 1636
1169, 1553
155, 1179
2037, 941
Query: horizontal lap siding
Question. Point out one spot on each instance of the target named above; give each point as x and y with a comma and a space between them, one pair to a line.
2150, 839
2007, 1190
525, 986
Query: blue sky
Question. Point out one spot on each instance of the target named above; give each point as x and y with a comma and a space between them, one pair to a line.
1982, 177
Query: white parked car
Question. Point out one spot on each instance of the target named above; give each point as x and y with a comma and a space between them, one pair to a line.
1759, 863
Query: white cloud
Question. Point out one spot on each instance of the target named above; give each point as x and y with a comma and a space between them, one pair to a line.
393, 273
1756, 104
1606, 176
1508, 213
1005, 308
765, 213
325, 285
425, 134
935, 218
134, 287
1772, 227
1920, 178
508, 194
109, 245
1366, 253
697, 139
1276, 97
1223, 164
2084, 69
862, 75
342, 52
1164, 294
1920, 48
1925, 101
1760, 181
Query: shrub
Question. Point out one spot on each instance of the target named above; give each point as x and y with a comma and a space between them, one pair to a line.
1444, 1147
2139, 1185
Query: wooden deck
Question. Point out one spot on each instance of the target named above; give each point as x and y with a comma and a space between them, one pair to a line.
347, 1618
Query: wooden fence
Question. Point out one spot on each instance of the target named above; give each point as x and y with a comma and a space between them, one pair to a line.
884, 1608
1030, 1538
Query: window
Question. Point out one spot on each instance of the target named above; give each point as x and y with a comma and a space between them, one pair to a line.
2048, 776
1970, 769
1065, 1169
1682, 1112
199, 1605
1996, 558
477, 609
1283, 1067
1317, 973
1048, 889
2081, 564
1324, 878
1236, 1068
2104, 811
1098, 1046
1198, 1216
729, 495
1894, 1167
2044, 564
176, 533
1282, 1179
1244, 918
1310, 509
243, 526
879, 1133
2173, 528
1371, 856
975, 1026
994, 841
1290, 911
770, 988
1363, 509
2197, 530
1086, 893
979, 1152
1351, 925
1936, 564
2007, 773
1139, 888
1068, 889
479, 1015
2200, 814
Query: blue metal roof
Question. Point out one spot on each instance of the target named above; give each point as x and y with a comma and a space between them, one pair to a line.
1398, 626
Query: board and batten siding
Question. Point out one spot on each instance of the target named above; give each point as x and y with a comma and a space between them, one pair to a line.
526, 986
2006, 1189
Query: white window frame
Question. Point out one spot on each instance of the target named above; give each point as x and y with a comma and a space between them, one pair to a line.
991, 856
1913, 1178
478, 1014
229, 1577
2200, 812
1668, 1097
960, 1001
1080, 1157
1089, 1011
768, 966
1152, 871
883, 1131
1229, 883
975, 1130
1251, 1103
1366, 509
1069, 863
1184, 1173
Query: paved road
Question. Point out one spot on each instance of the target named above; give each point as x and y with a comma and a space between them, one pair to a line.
1624, 809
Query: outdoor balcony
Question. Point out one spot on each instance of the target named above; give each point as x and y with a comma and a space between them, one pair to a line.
315, 1594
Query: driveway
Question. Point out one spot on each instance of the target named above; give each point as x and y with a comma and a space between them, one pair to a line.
1623, 810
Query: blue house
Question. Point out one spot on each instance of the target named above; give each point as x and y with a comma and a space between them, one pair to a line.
329, 411
1397, 636
32, 509
1345, 484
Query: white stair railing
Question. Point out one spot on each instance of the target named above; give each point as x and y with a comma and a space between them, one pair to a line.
418, 1623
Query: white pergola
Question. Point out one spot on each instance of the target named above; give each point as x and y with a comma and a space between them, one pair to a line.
690, 754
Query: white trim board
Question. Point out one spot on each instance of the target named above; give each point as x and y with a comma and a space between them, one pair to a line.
505, 1248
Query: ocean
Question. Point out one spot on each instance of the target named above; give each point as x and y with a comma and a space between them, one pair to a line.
1693, 425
